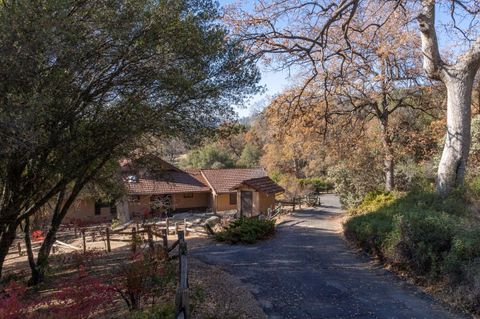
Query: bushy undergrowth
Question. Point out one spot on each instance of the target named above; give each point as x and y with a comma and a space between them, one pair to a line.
316, 184
436, 241
157, 312
247, 230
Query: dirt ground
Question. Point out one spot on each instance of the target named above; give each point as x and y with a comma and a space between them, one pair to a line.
214, 293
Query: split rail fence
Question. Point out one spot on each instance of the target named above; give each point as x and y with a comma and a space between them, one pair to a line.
134, 233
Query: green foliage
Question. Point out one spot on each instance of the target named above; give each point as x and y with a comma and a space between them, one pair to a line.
431, 238
352, 184
208, 156
250, 156
372, 202
316, 184
276, 176
473, 186
156, 312
82, 82
409, 174
247, 230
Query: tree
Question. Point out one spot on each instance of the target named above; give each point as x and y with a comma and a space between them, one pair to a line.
382, 77
79, 91
208, 156
250, 156
458, 78
321, 33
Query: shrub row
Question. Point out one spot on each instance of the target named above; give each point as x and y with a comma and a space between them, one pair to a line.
436, 241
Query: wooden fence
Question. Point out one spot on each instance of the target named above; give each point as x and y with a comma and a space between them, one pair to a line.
134, 233
182, 298
310, 200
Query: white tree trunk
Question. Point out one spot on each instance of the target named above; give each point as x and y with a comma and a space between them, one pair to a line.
458, 78
451, 171
388, 160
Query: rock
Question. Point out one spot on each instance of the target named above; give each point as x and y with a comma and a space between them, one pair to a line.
197, 221
212, 221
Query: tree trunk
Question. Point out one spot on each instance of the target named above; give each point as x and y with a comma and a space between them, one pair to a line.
59, 212
6, 239
388, 161
451, 170
31, 257
38, 272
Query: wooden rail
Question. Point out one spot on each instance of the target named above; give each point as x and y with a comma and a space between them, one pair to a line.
182, 297
128, 233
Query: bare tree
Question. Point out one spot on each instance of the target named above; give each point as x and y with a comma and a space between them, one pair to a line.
312, 35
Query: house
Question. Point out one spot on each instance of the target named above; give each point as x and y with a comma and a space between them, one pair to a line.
156, 186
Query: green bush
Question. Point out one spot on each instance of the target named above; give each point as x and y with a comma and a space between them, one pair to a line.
436, 240
316, 184
473, 186
156, 312
247, 230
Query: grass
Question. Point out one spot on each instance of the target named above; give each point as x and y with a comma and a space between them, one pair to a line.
436, 241
247, 230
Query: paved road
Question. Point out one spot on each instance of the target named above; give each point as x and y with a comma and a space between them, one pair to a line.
307, 271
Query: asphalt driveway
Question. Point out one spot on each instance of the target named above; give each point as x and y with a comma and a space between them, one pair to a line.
307, 271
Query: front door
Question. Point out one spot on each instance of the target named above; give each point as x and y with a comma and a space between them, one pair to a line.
246, 203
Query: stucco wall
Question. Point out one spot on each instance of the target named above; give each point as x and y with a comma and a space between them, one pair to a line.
198, 200
83, 211
266, 201
223, 202
140, 207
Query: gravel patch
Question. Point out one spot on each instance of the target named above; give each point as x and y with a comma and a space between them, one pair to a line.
217, 294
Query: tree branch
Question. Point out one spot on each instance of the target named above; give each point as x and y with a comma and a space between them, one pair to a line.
432, 61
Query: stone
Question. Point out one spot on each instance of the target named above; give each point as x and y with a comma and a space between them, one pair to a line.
212, 221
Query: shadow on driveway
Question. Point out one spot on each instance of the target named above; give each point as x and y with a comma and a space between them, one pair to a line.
307, 271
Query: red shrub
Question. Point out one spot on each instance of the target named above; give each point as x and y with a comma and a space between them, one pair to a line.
37, 235
12, 301
81, 297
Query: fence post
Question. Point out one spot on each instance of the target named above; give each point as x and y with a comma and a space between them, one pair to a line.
19, 246
185, 227
75, 230
293, 209
134, 240
150, 239
107, 233
182, 304
165, 242
167, 225
84, 241
176, 228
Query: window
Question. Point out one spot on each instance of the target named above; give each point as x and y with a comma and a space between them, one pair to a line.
188, 195
99, 206
233, 198
134, 198
98, 209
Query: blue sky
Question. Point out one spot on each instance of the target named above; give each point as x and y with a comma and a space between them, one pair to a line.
273, 81
276, 81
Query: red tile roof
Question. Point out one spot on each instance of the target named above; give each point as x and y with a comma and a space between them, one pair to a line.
168, 183
262, 184
223, 180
